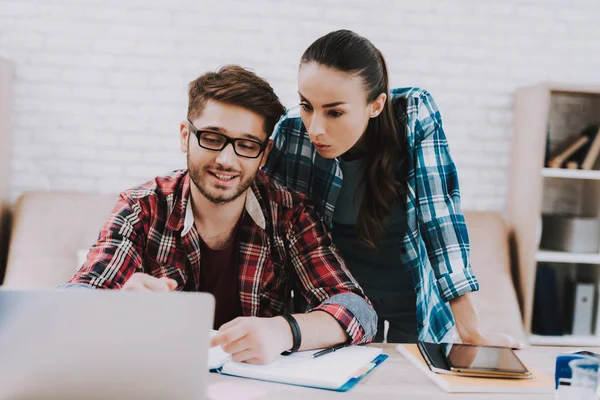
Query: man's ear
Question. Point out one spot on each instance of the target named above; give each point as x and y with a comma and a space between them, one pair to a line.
184, 134
265, 155
377, 105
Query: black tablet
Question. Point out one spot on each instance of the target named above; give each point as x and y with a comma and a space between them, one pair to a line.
491, 360
473, 360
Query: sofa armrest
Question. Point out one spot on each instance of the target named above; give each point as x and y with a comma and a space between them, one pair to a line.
48, 229
496, 301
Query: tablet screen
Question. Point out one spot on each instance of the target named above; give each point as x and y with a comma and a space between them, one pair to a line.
464, 356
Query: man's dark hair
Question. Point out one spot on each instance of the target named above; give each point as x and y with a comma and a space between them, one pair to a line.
238, 86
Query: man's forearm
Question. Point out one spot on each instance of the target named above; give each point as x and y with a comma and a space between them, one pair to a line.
318, 329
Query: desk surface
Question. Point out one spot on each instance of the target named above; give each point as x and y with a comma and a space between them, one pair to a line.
395, 378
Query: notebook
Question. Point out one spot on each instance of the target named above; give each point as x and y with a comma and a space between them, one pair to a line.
338, 371
539, 383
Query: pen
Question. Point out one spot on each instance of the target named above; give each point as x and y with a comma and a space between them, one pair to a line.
328, 350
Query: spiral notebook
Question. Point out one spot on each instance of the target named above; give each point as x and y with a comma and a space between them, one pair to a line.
338, 371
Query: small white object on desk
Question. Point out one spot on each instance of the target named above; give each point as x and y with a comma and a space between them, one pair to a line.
216, 355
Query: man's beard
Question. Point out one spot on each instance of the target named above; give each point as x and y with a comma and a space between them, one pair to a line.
196, 177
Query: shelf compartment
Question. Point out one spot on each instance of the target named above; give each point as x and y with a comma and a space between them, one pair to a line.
567, 258
570, 173
565, 340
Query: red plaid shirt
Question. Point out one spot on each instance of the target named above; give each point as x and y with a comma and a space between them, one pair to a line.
151, 230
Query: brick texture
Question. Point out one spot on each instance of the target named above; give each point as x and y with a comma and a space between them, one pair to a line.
100, 85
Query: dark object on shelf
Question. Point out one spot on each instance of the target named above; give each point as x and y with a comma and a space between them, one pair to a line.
567, 303
547, 154
548, 318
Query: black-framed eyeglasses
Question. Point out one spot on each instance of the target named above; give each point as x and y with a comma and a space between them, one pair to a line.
214, 141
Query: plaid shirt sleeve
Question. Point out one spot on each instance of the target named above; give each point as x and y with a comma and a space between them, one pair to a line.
327, 284
442, 223
117, 252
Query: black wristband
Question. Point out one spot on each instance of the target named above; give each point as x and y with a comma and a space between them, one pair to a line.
296, 336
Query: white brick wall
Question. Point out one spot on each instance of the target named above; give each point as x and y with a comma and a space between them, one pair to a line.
100, 84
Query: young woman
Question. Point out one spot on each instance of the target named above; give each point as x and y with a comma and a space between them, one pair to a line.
377, 167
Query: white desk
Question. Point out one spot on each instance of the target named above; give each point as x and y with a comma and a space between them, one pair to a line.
396, 378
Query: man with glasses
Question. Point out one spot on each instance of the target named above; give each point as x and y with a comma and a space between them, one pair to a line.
223, 227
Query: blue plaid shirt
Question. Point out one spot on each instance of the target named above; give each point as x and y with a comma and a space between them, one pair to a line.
436, 243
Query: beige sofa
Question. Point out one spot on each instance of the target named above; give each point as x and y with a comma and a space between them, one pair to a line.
48, 231
50, 228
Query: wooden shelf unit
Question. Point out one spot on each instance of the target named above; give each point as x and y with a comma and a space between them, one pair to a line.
538, 113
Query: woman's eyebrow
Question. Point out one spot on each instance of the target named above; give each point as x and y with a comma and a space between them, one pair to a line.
335, 103
303, 98
328, 105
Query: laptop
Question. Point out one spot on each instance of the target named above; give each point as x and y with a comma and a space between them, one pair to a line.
102, 344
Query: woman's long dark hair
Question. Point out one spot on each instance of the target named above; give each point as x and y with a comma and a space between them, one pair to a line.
384, 140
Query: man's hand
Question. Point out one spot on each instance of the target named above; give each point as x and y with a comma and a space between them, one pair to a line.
254, 340
140, 282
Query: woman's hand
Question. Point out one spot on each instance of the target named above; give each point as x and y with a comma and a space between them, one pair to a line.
493, 339
467, 326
